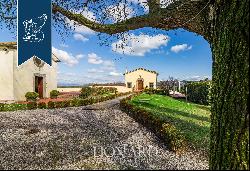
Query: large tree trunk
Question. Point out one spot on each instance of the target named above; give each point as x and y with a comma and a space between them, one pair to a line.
230, 117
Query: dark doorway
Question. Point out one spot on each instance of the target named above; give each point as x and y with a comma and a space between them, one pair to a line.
39, 86
139, 84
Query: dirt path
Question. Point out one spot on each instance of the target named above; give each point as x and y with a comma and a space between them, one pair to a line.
99, 136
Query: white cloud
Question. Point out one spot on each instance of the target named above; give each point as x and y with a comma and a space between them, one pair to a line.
79, 28
139, 45
80, 37
108, 63
94, 59
119, 12
84, 30
115, 74
65, 57
94, 70
64, 45
81, 31
105, 72
182, 47
80, 56
197, 78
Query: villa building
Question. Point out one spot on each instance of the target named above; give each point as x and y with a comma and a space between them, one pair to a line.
32, 76
140, 78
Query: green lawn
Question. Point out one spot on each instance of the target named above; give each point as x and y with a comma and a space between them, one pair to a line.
191, 119
13, 107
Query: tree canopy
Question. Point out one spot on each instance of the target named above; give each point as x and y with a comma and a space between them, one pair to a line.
117, 16
223, 23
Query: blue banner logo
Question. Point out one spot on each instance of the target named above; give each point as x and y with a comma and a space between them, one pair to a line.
34, 30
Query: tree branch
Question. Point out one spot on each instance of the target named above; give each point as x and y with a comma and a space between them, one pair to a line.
179, 14
129, 24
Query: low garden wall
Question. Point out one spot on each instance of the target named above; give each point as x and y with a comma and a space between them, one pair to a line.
120, 89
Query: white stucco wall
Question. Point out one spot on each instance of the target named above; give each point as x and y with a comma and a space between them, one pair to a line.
68, 89
24, 77
148, 77
15, 81
6, 75
120, 89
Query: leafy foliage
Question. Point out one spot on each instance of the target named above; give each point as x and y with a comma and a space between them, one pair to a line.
86, 92
51, 105
31, 105
163, 129
1, 107
97, 91
157, 91
41, 105
54, 94
192, 120
199, 92
31, 96
173, 136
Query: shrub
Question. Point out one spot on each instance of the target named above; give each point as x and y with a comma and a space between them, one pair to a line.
96, 91
66, 103
31, 96
58, 104
157, 91
165, 131
75, 103
162, 92
173, 137
1, 107
82, 102
90, 101
198, 92
51, 105
42, 105
85, 92
31, 105
54, 94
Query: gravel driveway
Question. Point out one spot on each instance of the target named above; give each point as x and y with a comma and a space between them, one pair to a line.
99, 136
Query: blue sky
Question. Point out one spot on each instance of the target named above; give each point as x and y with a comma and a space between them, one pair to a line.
179, 53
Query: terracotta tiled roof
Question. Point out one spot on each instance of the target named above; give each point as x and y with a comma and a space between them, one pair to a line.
143, 70
14, 46
8, 44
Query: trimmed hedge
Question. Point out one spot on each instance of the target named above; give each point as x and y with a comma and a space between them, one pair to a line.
31, 105
173, 137
157, 91
1, 107
199, 92
41, 105
54, 94
31, 96
67, 103
51, 105
85, 92
164, 130
96, 91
